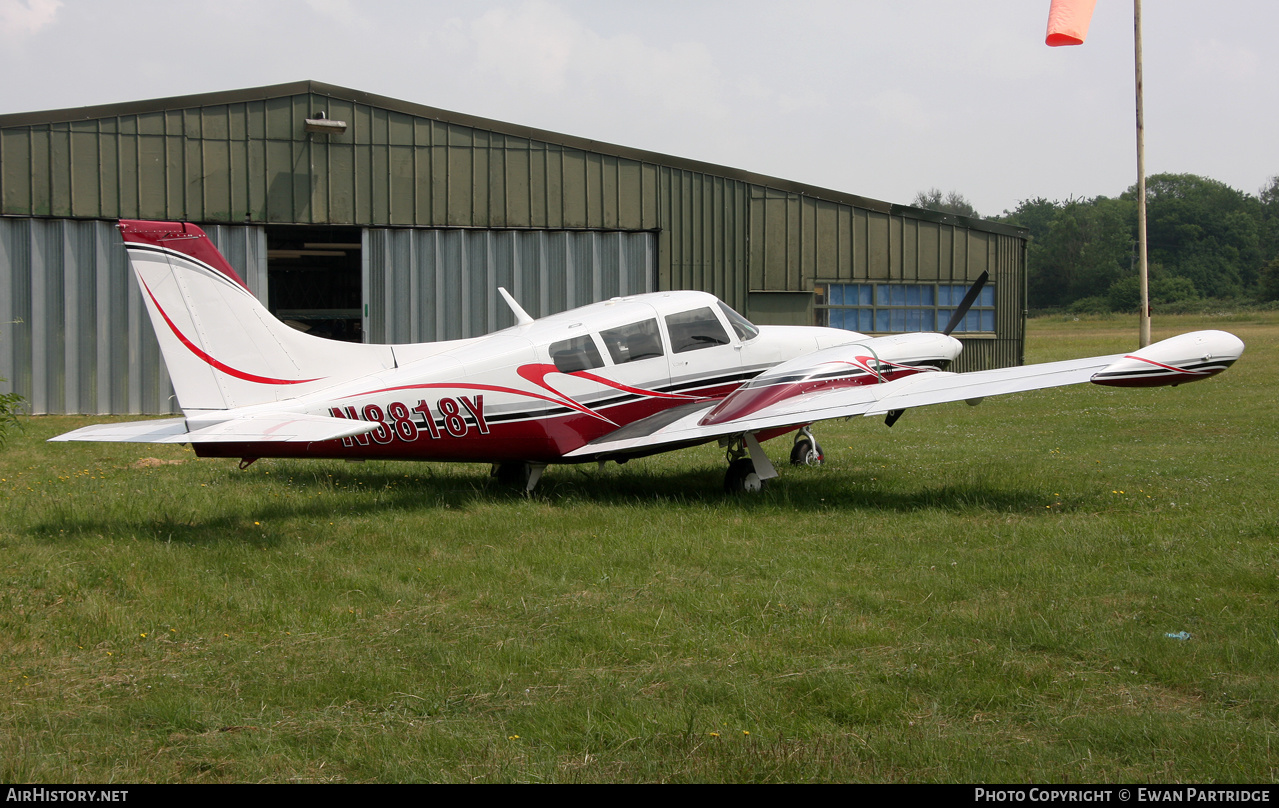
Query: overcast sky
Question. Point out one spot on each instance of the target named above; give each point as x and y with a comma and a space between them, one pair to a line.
882, 99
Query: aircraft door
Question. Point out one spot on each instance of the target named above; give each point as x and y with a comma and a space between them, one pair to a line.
704, 358
638, 355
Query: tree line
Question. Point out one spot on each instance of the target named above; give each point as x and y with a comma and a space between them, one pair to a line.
1205, 240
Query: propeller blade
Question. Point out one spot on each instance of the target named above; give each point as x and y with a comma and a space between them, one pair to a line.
966, 303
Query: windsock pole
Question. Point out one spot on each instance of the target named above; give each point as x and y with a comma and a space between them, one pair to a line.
1144, 273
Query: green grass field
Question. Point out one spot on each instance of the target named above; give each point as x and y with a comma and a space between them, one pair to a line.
977, 594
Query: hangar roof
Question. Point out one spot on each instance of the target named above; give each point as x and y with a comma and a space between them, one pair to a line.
47, 117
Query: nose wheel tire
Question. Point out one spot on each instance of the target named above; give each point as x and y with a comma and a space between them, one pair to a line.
806, 452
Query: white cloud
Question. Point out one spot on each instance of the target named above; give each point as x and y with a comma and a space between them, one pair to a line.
26, 17
539, 48
900, 110
528, 48
343, 12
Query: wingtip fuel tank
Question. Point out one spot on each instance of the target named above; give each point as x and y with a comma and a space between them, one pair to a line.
1177, 360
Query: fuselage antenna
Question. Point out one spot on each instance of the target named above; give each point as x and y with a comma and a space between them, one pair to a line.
521, 316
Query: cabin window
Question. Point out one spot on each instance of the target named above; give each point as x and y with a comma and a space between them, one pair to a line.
633, 342
578, 353
691, 330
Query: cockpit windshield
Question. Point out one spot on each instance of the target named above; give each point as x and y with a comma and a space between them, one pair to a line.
744, 329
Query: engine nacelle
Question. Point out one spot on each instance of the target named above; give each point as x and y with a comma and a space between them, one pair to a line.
872, 360
1177, 360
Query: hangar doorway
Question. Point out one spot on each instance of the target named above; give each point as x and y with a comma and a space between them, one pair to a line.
315, 279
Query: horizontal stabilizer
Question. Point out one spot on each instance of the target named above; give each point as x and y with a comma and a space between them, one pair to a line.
268, 427
129, 432
279, 427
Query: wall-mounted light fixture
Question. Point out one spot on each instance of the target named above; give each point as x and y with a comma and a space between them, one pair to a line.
321, 124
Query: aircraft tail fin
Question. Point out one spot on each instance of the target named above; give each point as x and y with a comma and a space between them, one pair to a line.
222, 347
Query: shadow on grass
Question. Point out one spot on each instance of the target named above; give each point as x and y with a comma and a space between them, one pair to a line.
235, 509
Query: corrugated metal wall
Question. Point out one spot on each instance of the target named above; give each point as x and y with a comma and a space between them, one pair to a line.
244, 247
253, 161
797, 240
76, 337
426, 285
705, 233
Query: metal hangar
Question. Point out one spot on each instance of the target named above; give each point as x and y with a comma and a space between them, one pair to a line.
361, 217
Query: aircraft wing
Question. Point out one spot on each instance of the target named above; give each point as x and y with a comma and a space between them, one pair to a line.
918, 390
285, 427
805, 390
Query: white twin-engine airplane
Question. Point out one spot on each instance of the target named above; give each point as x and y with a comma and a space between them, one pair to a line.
614, 380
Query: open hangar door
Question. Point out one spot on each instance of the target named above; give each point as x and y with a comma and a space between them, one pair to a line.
315, 279
425, 285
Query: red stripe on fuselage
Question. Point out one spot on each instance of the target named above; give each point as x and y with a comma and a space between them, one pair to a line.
538, 439
537, 375
562, 401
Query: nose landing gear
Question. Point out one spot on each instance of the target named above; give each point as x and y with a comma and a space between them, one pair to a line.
806, 452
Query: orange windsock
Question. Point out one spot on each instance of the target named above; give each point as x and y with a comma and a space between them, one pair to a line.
1068, 22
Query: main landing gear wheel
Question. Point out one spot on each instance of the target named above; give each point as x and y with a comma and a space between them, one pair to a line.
806, 452
742, 478
749, 469
518, 475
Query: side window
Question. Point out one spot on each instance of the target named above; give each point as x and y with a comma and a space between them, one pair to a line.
633, 342
691, 330
578, 353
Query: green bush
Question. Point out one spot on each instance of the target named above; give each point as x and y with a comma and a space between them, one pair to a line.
1090, 305
11, 404
1167, 293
